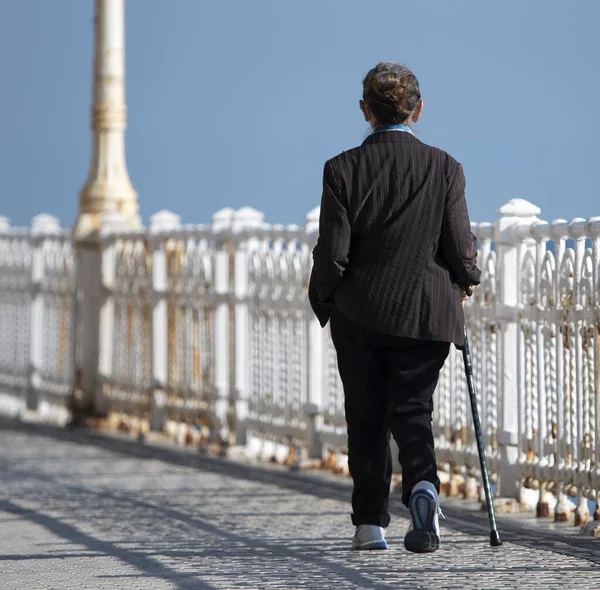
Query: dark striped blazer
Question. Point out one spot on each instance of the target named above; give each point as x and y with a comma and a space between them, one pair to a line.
395, 241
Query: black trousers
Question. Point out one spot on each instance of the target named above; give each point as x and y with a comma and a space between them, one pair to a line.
388, 388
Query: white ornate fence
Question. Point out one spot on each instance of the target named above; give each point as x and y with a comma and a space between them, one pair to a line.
36, 324
210, 326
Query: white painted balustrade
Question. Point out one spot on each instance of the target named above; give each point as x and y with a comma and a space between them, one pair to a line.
210, 326
36, 317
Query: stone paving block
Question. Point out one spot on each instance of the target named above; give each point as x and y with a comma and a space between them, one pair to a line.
87, 517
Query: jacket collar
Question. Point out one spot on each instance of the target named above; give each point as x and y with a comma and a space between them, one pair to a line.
391, 136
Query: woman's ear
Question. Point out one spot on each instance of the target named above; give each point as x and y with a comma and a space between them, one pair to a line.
365, 110
417, 112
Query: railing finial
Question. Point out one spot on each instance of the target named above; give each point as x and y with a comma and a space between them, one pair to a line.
246, 218
44, 224
164, 221
519, 208
311, 224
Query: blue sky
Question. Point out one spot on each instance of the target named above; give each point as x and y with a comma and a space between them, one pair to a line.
240, 102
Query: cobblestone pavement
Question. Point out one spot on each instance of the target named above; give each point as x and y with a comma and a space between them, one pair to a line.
79, 511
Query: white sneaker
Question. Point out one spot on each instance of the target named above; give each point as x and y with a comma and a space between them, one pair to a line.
369, 536
423, 535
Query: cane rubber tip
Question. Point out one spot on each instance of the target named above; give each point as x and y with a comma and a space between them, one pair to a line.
495, 539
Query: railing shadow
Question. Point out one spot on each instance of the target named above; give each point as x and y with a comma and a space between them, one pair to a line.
150, 568
147, 535
317, 485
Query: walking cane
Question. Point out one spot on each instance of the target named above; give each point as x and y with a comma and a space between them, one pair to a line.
485, 476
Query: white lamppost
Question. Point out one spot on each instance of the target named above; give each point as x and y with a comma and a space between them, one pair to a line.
106, 202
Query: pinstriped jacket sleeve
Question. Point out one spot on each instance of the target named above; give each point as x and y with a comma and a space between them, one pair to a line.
459, 245
330, 256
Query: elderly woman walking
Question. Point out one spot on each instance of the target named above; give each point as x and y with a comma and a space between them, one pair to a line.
393, 265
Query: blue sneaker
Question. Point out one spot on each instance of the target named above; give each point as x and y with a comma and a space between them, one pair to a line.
369, 536
423, 535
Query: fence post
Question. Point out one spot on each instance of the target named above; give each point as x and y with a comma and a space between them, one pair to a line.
516, 213
88, 293
316, 351
41, 225
222, 342
160, 223
111, 223
244, 222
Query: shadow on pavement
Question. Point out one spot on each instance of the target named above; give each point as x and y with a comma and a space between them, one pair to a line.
322, 486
